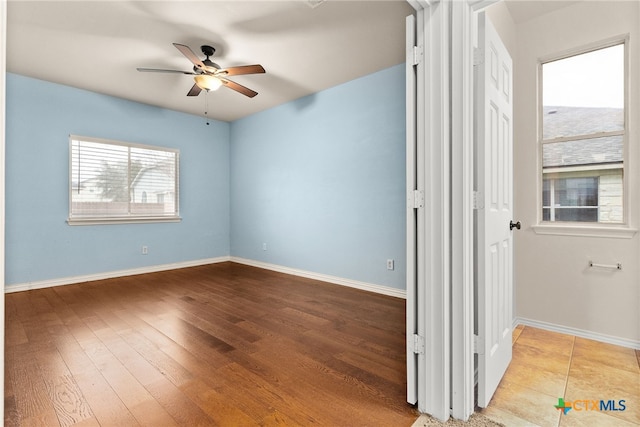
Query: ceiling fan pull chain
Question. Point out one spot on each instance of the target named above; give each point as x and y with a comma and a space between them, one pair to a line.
206, 106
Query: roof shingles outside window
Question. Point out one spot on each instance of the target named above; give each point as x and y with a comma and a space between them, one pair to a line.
573, 121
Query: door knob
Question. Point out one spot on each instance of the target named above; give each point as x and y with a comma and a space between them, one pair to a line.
513, 225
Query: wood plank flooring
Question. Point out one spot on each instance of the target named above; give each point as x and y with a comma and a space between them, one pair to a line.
222, 344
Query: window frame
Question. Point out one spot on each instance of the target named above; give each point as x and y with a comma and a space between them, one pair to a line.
129, 217
576, 228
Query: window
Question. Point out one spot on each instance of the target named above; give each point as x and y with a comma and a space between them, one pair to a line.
114, 182
574, 199
582, 119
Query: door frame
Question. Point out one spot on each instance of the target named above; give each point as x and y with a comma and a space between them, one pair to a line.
462, 173
464, 34
432, 124
3, 109
445, 313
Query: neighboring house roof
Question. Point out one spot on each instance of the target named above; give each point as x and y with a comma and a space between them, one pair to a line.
568, 121
89, 182
162, 169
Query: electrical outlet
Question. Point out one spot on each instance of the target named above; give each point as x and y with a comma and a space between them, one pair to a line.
390, 264
145, 250
264, 246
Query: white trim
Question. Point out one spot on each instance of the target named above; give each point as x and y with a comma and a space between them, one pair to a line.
422, 4
608, 339
122, 220
586, 48
626, 185
412, 64
480, 5
378, 289
463, 372
566, 229
3, 85
462, 185
19, 287
582, 137
434, 321
420, 315
415, 4
581, 168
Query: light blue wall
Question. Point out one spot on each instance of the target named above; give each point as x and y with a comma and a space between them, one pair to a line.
39, 243
321, 181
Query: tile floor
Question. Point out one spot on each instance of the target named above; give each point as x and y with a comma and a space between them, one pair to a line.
548, 365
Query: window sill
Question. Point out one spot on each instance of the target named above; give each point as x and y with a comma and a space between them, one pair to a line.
128, 220
616, 232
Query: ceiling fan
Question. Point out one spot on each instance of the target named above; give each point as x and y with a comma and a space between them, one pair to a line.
208, 74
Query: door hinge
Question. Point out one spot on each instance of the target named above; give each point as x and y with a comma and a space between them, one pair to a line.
478, 344
418, 199
418, 344
478, 56
478, 201
418, 52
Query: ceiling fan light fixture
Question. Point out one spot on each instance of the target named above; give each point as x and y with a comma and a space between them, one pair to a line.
207, 82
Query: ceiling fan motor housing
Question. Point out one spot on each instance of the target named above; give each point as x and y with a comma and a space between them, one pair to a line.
208, 50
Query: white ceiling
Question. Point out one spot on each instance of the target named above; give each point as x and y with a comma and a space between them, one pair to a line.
97, 45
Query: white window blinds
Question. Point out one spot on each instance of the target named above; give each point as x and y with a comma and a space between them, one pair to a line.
113, 181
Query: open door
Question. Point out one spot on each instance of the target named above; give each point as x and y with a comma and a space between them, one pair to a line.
415, 215
429, 206
411, 227
494, 186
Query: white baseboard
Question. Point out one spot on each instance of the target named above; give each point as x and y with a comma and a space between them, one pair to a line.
110, 274
379, 289
19, 287
623, 342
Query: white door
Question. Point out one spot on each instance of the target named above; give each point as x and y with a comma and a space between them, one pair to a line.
428, 284
494, 184
411, 218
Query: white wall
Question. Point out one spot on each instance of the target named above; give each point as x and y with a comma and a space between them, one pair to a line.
501, 19
552, 279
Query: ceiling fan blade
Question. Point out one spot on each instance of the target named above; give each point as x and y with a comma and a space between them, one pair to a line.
186, 51
243, 69
238, 87
195, 91
157, 70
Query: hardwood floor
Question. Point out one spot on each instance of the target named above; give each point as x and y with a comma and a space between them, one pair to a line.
223, 344
228, 344
547, 366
